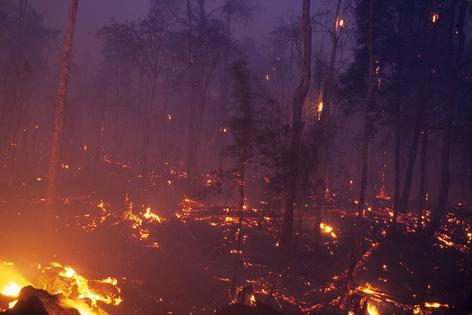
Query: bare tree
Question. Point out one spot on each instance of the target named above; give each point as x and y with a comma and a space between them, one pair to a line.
242, 127
297, 129
324, 115
355, 253
456, 56
58, 120
422, 183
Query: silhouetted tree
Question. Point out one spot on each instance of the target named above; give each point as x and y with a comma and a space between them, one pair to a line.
297, 129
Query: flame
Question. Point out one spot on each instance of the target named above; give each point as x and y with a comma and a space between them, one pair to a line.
141, 222
382, 194
74, 289
12, 304
152, 217
435, 305
12, 289
11, 281
252, 300
84, 289
372, 309
435, 17
319, 110
327, 229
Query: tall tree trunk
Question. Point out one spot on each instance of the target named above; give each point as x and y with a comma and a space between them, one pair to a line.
327, 85
318, 215
238, 259
147, 131
58, 120
412, 152
326, 124
423, 101
202, 12
456, 60
355, 253
422, 188
229, 6
297, 125
398, 108
190, 33
197, 113
396, 196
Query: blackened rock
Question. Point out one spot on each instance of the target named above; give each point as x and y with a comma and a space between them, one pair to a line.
33, 301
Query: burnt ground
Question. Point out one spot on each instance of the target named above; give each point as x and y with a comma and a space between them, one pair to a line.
190, 270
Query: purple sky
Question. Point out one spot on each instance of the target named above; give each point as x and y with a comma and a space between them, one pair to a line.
95, 13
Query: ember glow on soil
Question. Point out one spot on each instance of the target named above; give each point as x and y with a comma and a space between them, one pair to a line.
227, 157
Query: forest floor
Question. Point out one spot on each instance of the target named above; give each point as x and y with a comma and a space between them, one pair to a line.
183, 262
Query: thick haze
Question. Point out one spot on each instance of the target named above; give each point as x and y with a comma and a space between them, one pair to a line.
94, 14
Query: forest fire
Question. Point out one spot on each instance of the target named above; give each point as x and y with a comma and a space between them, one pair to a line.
192, 157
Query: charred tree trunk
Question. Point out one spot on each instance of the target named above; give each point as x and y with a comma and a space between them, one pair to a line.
355, 253
243, 135
197, 113
147, 126
423, 103
239, 231
326, 124
396, 196
58, 120
397, 112
190, 33
318, 215
328, 82
202, 12
456, 59
297, 125
422, 188
412, 152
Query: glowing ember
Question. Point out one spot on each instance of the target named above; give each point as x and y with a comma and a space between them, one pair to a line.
152, 217
382, 194
372, 308
435, 305
327, 230
319, 110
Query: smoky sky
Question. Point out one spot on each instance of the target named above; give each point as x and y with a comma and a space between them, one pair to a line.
93, 14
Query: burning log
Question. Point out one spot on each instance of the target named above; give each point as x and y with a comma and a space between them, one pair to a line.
64, 292
32, 301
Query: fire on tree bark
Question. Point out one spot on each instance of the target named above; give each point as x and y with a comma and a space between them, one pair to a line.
297, 125
58, 120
